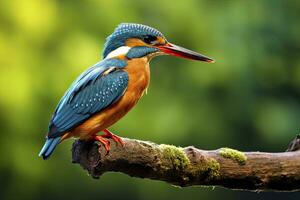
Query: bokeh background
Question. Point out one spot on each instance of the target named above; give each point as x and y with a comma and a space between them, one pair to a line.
248, 100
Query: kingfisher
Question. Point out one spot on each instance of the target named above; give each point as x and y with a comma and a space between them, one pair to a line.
106, 91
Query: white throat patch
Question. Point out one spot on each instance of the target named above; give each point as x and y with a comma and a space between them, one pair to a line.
123, 50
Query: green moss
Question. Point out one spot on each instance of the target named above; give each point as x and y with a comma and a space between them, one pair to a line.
213, 168
233, 154
209, 169
175, 155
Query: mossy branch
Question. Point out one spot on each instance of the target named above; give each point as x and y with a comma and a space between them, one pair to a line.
190, 166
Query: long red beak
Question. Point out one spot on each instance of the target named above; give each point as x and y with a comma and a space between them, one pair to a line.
178, 51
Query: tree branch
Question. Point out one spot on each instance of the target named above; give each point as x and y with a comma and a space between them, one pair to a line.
190, 166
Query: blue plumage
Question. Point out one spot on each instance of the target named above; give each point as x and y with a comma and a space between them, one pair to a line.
49, 147
140, 51
125, 31
90, 93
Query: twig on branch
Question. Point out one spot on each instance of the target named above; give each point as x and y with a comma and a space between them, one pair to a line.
295, 144
191, 166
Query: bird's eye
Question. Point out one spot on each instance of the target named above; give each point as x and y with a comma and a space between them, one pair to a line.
150, 39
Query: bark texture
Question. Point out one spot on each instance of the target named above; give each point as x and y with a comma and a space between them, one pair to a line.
191, 166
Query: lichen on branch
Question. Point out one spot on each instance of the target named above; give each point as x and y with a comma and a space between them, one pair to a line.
233, 154
175, 155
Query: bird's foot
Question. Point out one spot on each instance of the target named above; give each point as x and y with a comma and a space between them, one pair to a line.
104, 141
117, 139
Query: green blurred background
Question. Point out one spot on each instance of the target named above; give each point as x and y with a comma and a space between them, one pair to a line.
248, 99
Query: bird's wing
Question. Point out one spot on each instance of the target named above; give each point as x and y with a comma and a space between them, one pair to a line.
93, 91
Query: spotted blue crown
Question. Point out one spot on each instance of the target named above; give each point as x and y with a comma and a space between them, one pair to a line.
125, 31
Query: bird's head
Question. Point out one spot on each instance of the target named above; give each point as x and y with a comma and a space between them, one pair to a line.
137, 40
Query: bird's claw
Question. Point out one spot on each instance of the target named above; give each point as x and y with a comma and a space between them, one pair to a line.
117, 139
104, 141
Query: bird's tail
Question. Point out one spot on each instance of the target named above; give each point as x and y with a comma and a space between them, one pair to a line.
49, 147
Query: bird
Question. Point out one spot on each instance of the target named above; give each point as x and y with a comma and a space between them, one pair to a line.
108, 90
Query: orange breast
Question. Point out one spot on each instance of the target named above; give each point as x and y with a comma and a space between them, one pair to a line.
139, 78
